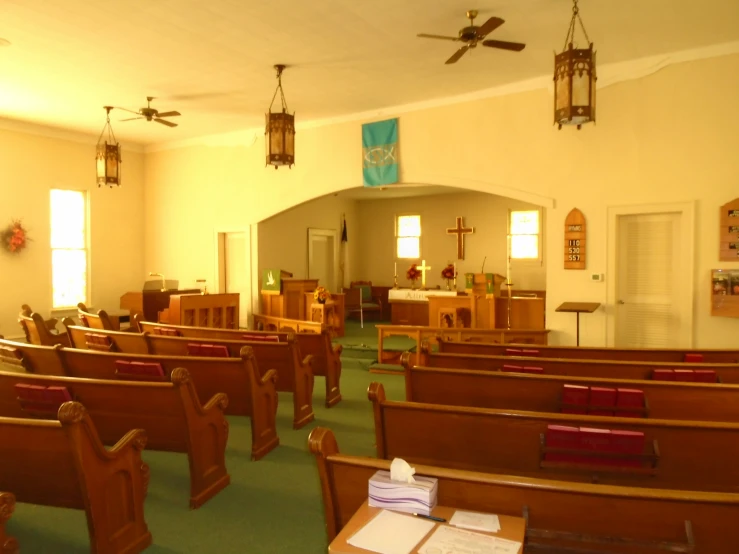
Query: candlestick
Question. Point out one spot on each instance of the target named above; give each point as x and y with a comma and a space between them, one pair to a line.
396, 269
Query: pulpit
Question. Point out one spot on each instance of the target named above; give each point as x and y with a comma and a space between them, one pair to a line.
151, 299
464, 311
331, 314
282, 296
219, 311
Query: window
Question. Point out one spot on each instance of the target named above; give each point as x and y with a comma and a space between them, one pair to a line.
68, 248
408, 236
525, 233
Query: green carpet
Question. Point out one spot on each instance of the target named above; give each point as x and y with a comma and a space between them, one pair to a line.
272, 506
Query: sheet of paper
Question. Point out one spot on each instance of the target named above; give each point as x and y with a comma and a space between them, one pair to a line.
475, 520
450, 540
391, 533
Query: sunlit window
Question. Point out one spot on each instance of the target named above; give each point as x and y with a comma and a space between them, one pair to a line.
525, 234
68, 248
408, 236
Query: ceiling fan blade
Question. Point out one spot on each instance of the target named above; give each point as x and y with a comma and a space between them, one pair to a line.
458, 54
168, 114
424, 35
505, 45
127, 110
132, 118
489, 26
165, 122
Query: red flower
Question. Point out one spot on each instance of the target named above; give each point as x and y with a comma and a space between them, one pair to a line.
413, 273
14, 237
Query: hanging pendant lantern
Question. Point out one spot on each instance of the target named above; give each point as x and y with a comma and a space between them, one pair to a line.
574, 79
280, 130
108, 156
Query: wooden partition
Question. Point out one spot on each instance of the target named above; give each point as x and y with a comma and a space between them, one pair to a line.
686, 455
204, 310
543, 393
423, 334
272, 323
726, 373
63, 463
561, 517
448, 345
8, 544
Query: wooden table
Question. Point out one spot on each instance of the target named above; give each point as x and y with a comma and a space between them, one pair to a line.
511, 528
578, 307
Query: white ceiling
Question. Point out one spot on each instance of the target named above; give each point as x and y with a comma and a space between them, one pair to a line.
212, 60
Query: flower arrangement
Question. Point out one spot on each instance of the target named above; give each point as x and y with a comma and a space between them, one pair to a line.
449, 272
321, 294
15, 237
413, 273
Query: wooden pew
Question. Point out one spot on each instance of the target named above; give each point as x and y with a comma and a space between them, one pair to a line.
8, 544
687, 455
673, 356
726, 373
294, 375
326, 357
248, 393
273, 323
543, 393
37, 332
561, 517
64, 464
105, 340
100, 320
169, 412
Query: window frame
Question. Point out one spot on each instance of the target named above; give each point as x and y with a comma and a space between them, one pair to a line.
85, 249
397, 236
540, 237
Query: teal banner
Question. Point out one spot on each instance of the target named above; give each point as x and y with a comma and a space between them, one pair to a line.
380, 153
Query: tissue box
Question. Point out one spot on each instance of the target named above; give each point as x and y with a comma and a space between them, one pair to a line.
417, 498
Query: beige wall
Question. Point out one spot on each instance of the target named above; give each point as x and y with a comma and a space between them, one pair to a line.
30, 166
667, 137
283, 239
486, 213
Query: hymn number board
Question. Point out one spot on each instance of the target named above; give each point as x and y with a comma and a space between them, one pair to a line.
575, 240
729, 232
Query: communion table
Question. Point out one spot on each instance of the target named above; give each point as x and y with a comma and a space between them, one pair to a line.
411, 306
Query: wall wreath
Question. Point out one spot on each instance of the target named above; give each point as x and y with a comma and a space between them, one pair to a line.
15, 237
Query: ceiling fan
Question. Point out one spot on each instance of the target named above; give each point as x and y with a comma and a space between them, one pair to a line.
150, 114
473, 34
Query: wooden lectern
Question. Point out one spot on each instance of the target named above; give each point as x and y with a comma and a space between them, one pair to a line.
283, 296
148, 303
219, 311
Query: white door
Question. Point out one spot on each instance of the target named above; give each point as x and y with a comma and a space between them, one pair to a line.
322, 257
653, 303
235, 270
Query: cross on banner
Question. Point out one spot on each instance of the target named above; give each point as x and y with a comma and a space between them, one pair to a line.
460, 230
423, 268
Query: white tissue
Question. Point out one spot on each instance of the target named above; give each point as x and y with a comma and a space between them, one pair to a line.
401, 471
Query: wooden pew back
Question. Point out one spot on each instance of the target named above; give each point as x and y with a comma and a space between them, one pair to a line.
719, 356
38, 333
543, 393
326, 358
727, 373
595, 518
63, 463
691, 455
33, 358
100, 320
105, 340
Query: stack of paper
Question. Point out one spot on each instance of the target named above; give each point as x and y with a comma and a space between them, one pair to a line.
389, 533
418, 497
476, 520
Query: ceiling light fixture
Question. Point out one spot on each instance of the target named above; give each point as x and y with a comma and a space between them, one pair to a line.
574, 79
108, 156
280, 130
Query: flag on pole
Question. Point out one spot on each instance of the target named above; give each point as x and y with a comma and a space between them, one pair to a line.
380, 153
344, 252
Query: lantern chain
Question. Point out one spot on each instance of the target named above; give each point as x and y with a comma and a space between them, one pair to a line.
571, 29
108, 126
279, 88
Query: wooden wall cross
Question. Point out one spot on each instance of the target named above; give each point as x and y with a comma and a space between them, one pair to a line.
460, 230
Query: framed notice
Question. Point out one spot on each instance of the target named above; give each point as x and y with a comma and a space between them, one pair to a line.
729, 232
575, 240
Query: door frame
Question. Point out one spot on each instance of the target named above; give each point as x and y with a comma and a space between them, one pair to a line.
687, 227
333, 233
245, 304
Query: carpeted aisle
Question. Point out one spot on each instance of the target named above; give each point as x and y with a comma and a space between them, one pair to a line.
272, 506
